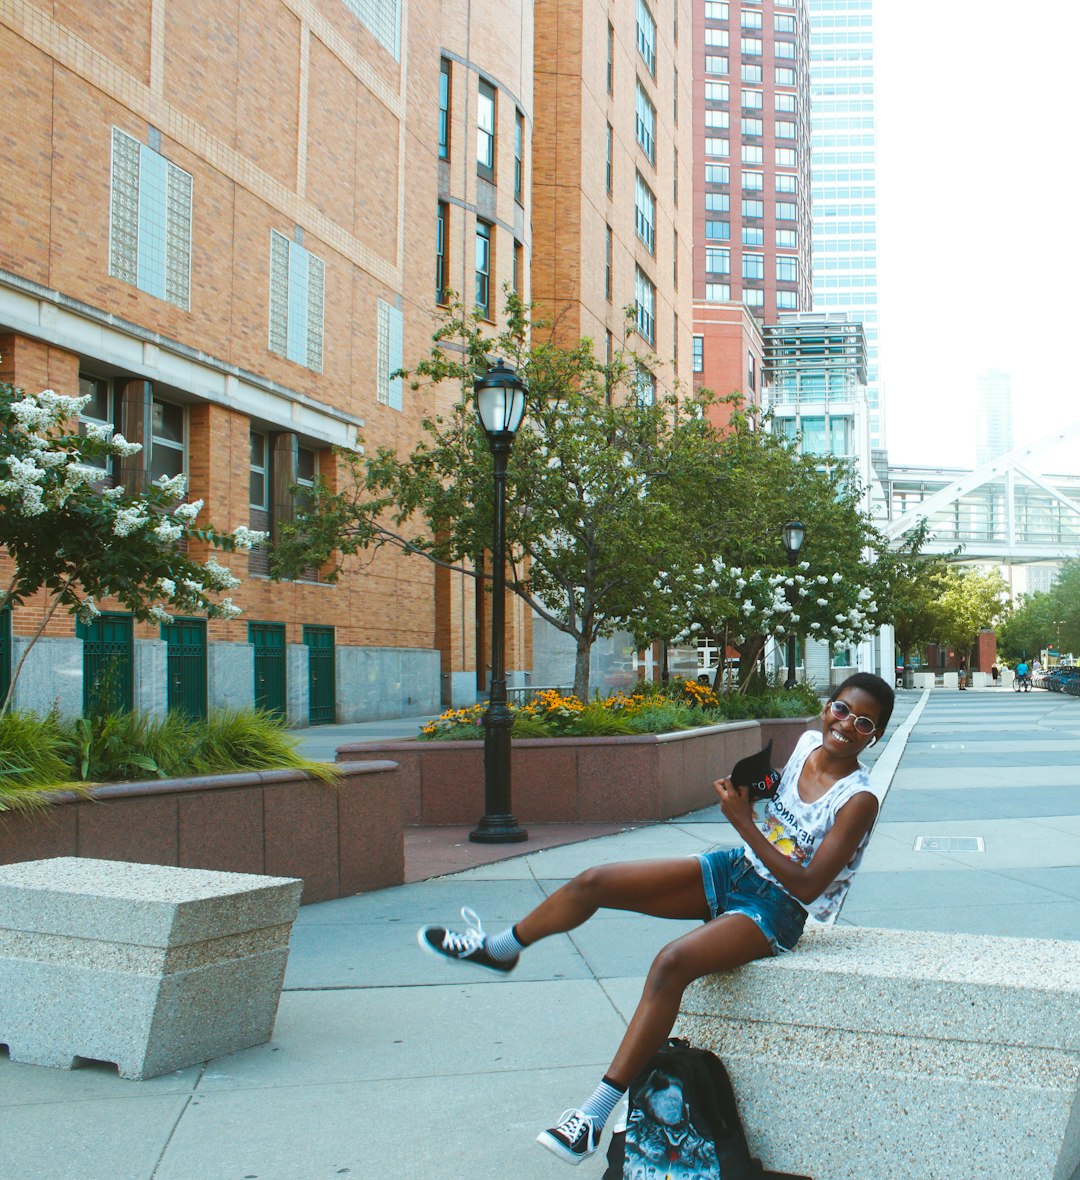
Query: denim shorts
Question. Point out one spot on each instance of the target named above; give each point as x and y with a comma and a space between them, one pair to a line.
733, 886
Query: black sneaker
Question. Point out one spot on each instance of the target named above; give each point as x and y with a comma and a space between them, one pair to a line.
466, 947
574, 1139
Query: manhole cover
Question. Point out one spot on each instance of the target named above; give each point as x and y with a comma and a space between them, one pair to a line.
950, 844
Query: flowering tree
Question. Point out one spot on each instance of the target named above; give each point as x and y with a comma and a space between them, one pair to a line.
80, 542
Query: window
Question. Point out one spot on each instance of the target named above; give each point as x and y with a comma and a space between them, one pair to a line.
787, 269
442, 262
786, 183
751, 19
717, 119
714, 10
390, 353
751, 371
784, 49
607, 262
675, 95
753, 181
785, 130
718, 292
519, 157
785, 157
715, 146
753, 297
646, 36
717, 261
753, 154
297, 281
784, 24
483, 268
718, 231
166, 441
784, 103
717, 174
610, 159
610, 58
485, 131
259, 474
787, 300
717, 202
675, 268
787, 239
674, 175
699, 354
717, 91
646, 123
786, 211
751, 74
518, 276
752, 127
150, 221
752, 208
645, 297
716, 64
644, 386
717, 37
645, 213
753, 266
750, 46
99, 411
444, 110
307, 468
784, 76
753, 235
752, 100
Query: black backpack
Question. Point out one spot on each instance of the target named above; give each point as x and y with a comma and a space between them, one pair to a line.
683, 1123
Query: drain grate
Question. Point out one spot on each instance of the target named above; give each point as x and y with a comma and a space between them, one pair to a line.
949, 844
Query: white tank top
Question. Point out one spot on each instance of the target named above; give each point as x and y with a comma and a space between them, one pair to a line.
797, 828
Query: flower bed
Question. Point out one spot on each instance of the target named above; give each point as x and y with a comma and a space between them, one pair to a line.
341, 838
580, 779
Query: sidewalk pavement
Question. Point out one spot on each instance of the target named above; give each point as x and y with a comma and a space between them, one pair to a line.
387, 1062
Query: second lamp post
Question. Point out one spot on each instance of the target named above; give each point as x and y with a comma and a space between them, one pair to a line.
500, 405
794, 535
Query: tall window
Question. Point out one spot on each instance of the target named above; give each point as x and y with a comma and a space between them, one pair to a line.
259, 474
645, 298
646, 123
519, 157
485, 131
444, 110
717, 261
517, 279
786, 211
646, 36
607, 262
99, 411
787, 269
610, 58
150, 221
390, 355
483, 268
609, 160
307, 468
297, 282
753, 266
645, 213
442, 261
718, 292
166, 441
699, 354
644, 386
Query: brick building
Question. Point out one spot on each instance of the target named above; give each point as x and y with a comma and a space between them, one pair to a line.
228, 226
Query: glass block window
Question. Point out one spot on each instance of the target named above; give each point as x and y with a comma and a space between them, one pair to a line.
297, 282
391, 328
383, 21
150, 221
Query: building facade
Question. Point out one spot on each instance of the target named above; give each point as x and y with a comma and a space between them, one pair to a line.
229, 228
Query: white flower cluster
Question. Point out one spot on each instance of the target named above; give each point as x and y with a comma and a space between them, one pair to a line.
246, 539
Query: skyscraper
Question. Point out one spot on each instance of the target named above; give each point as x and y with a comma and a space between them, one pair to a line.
844, 183
993, 416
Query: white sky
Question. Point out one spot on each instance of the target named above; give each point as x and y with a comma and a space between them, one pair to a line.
978, 218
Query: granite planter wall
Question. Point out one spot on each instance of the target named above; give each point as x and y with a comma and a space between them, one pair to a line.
580, 780
341, 838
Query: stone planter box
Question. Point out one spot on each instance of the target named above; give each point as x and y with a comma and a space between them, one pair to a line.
580, 780
339, 839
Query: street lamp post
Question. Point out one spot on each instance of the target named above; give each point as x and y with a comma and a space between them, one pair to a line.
500, 405
794, 535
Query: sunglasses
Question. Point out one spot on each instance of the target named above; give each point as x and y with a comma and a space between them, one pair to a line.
864, 725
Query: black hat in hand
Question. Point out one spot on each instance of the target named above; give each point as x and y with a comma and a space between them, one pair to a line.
757, 774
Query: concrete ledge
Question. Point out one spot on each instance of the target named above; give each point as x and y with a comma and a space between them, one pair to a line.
340, 839
890, 1055
149, 967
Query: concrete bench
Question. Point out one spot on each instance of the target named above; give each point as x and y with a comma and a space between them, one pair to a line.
151, 967
891, 1055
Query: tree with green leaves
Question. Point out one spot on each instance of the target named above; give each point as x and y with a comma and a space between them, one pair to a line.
1047, 618
971, 599
78, 542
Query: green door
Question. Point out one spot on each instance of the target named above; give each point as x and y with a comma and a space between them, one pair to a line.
5, 652
186, 640
108, 664
268, 640
322, 699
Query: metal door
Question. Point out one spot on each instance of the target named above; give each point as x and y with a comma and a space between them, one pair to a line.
186, 640
269, 642
322, 698
108, 664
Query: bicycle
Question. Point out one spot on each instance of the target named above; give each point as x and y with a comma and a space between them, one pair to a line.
1022, 683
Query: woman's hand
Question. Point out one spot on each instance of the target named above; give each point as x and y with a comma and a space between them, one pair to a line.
735, 804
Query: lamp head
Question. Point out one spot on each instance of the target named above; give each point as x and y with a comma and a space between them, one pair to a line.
500, 400
794, 535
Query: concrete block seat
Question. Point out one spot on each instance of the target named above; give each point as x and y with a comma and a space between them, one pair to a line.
151, 967
892, 1055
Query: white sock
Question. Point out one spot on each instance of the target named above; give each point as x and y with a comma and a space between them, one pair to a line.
601, 1102
504, 946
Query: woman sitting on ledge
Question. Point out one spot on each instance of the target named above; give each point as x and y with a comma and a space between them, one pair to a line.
797, 859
